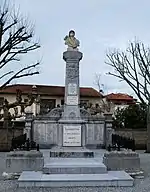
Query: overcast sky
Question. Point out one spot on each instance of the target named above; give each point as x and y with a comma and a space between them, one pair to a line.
99, 25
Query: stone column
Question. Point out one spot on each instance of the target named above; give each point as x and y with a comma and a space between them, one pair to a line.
72, 89
71, 128
28, 125
108, 129
34, 108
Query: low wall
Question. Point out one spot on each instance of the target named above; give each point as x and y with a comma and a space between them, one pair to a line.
140, 136
18, 161
49, 133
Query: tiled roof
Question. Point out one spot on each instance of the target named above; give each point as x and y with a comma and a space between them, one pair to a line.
49, 90
119, 96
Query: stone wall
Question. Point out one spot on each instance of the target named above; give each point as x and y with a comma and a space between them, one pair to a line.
139, 135
47, 133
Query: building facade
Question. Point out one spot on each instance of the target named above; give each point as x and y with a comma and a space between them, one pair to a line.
53, 96
50, 96
120, 100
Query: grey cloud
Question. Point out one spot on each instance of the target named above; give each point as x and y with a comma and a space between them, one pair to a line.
99, 25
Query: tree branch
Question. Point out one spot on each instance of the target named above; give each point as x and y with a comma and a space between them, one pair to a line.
19, 75
16, 39
4, 75
132, 66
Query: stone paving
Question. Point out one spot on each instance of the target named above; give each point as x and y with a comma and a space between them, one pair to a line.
141, 185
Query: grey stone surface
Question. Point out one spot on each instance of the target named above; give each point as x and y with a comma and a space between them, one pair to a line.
49, 129
122, 160
75, 166
29, 154
95, 133
117, 178
16, 162
71, 152
74, 170
72, 59
108, 129
47, 132
140, 185
28, 124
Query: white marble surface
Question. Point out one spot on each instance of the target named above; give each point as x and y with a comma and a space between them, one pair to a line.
75, 162
110, 178
117, 178
72, 135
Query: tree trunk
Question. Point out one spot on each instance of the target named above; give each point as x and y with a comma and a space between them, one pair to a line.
148, 129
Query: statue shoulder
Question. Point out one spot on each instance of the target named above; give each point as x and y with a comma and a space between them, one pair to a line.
78, 42
66, 37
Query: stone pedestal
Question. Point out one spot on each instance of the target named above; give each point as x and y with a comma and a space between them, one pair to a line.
128, 161
18, 161
108, 129
28, 125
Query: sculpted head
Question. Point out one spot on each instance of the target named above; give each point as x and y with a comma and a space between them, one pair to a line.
71, 33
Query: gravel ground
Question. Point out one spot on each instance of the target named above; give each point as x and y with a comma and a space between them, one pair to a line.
141, 185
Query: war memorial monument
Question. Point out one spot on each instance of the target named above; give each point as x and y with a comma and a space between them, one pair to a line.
73, 138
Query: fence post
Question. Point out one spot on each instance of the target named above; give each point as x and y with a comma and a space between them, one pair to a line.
108, 129
28, 124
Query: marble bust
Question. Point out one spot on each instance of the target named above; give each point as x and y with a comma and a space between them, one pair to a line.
71, 41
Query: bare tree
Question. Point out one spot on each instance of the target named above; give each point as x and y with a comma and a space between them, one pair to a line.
97, 82
6, 106
133, 67
16, 40
106, 106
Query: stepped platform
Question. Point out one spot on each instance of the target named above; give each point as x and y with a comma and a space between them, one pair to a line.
110, 179
75, 172
74, 166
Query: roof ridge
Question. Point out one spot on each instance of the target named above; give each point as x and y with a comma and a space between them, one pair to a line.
49, 90
62, 86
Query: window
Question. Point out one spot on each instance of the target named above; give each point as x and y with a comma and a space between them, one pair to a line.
47, 105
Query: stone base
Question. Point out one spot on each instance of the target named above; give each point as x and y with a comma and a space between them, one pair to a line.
110, 179
18, 161
71, 152
74, 166
122, 160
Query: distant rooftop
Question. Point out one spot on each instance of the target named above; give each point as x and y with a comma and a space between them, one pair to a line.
119, 96
49, 90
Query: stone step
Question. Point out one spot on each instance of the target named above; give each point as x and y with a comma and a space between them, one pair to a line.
110, 179
74, 166
72, 152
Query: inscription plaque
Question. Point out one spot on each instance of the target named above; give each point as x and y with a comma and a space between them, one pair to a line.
72, 135
72, 89
72, 100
